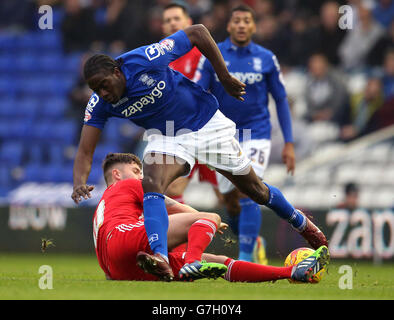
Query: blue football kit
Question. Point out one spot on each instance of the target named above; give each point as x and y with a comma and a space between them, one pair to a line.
259, 69
154, 95
154, 92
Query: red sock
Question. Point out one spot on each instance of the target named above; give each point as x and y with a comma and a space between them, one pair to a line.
253, 272
199, 237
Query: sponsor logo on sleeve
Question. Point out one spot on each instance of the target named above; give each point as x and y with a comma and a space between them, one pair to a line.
94, 99
167, 44
153, 51
156, 50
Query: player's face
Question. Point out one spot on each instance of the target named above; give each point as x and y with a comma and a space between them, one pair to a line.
109, 86
129, 171
174, 19
241, 27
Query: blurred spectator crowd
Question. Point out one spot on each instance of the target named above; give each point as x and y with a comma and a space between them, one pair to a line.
334, 76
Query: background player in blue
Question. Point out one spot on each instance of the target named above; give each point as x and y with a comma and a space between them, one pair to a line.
183, 124
258, 68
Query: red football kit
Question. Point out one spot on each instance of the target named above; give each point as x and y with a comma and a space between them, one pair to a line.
187, 65
119, 232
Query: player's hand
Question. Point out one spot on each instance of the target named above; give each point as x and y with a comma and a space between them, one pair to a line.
223, 226
81, 191
288, 157
234, 87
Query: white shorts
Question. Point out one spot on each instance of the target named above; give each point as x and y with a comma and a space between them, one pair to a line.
258, 151
214, 145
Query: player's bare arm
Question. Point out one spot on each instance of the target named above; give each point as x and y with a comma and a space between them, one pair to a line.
288, 157
83, 163
200, 37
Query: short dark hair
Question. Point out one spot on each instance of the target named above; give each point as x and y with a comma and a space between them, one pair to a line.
112, 159
351, 187
244, 8
98, 63
177, 5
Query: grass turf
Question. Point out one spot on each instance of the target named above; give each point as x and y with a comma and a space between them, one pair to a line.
77, 276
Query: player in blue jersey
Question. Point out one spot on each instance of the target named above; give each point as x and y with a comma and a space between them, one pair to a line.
183, 124
258, 68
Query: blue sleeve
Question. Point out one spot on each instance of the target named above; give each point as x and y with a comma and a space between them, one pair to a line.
161, 54
284, 118
277, 89
275, 80
204, 73
95, 113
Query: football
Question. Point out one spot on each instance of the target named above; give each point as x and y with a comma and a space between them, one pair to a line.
296, 256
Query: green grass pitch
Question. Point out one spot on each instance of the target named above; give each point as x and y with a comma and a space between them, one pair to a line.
77, 276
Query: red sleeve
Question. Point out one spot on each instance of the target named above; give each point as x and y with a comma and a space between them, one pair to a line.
135, 187
187, 64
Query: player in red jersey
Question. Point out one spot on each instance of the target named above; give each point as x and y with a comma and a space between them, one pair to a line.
122, 246
175, 18
119, 233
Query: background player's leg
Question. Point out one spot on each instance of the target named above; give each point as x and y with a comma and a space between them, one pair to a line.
233, 209
249, 227
157, 177
176, 189
245, 221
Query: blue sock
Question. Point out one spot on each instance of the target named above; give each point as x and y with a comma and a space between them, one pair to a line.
156, 222
249, 228
278, 203
233, 222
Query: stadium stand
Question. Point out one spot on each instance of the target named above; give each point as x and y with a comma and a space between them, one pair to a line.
38, 132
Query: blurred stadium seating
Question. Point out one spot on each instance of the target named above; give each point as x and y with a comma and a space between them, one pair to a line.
36, 77
38, 137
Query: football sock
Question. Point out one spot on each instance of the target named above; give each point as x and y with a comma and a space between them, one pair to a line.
156, 222
199, 237
233, 222
278, 203
249, 228
252, 272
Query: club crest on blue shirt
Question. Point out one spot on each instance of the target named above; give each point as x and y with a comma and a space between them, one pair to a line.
147, 80
257, 64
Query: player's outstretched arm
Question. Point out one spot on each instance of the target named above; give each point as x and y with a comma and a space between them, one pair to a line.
83, 163
200, 37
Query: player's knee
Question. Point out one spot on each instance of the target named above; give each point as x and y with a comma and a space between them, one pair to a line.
217, 219
212, 216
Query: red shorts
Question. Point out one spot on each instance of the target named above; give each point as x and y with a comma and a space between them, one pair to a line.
204, 174
122, 247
